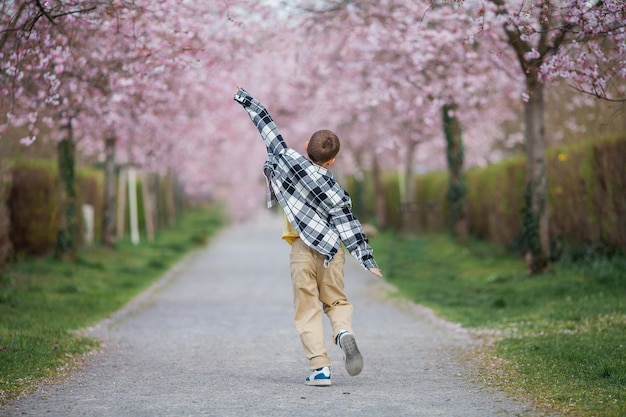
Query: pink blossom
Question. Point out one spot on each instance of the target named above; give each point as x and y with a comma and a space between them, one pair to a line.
27, 141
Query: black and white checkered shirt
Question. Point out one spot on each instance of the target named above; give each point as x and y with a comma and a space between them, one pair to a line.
317, 207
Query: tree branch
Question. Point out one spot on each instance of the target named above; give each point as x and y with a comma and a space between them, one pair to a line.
70, 12
11, 26
338, 6
600, 95
43, 11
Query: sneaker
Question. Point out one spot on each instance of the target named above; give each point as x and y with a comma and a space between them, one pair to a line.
351, 356
320, 377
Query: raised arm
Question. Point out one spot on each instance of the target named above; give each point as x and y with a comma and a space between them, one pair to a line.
273, 140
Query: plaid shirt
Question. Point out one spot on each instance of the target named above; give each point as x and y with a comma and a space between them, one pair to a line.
315, 204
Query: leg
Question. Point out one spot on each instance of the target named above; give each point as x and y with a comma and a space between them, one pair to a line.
331, 287
339, 311
307, 307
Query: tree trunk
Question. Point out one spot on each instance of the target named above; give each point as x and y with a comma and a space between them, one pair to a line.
133, 206
409, 205
379, 194
535, 212
148, 205
457, 188
358, 192
67, 231
121, 203
170, 198
6, 247
108, 216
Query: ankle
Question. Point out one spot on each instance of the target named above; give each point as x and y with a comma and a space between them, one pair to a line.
339, 335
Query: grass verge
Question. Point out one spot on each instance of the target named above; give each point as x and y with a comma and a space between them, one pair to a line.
44, 303
562, 335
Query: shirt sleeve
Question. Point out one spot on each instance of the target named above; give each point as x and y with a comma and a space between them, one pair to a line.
272, 138
352, 235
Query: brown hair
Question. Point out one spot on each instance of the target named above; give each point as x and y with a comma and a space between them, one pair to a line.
323, 146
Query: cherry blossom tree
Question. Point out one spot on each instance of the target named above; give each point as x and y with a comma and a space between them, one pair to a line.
44, 88
583, 42
150, 83
580, 41
417, 60
94, 72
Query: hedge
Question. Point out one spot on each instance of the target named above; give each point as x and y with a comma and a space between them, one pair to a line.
33, 204
587, 197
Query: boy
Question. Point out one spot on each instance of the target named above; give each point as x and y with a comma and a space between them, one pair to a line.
319, 218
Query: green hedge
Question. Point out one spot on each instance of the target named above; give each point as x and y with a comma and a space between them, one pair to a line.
495, 200
587, 197
588, 193
432, 209
33, 204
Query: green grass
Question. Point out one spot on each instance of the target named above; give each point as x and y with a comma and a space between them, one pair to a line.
45, 303
562, 335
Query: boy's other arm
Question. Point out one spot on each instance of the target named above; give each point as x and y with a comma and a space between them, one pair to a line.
259, 115
352, 235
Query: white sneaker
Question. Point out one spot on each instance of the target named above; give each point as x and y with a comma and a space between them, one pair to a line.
351, 356
320, 377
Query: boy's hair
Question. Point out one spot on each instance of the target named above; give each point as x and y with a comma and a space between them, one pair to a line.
323, 146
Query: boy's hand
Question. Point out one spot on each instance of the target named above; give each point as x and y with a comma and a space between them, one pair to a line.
376, 272
241, 96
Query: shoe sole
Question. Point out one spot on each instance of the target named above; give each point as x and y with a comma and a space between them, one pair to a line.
353, 360
318, 383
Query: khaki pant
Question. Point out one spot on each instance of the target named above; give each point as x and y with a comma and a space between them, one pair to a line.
316, 288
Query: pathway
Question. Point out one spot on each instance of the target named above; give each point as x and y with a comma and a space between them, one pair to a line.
215, 337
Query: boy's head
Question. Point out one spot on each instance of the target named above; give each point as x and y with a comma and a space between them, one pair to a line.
323, 147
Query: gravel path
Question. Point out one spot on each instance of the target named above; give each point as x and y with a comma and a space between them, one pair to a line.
215, 337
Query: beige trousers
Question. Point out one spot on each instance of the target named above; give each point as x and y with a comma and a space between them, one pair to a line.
316, 288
